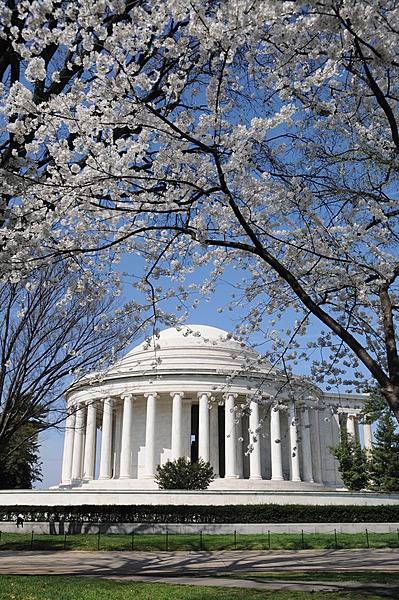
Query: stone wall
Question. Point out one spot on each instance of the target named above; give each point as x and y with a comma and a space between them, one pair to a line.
184, 528
209, 497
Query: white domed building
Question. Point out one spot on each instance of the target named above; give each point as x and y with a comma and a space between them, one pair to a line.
200, 393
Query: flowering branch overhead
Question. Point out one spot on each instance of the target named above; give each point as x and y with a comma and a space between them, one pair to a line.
252, 137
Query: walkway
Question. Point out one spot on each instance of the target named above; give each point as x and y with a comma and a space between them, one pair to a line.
208, 568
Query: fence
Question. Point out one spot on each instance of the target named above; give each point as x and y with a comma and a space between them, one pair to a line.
197, 541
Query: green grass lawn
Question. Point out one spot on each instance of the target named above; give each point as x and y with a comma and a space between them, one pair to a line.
333, 576
79, 588
22, 541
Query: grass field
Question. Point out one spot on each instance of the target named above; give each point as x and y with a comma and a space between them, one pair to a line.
274, 541
78, 588
331, 576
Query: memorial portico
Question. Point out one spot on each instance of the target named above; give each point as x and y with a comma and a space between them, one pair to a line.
210, 397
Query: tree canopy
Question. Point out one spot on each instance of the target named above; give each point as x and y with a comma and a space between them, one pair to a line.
253, 135
53, 327
20, 462
384, 460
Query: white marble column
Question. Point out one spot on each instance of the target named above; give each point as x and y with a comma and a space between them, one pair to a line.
117, 440
351, 426
78, 443
106, 440
177, 425
318, 469
307, 467
90, 446
367, 437
126, 447
255, 467
239, 450
203, 426
68, 447
275, 444
230, 443
214, 437
294, 449
149, 466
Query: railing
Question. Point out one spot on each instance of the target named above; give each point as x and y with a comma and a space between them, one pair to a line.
198, 541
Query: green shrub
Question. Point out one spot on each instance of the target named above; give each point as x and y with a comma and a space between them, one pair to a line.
253, 513
182, 474
353, 464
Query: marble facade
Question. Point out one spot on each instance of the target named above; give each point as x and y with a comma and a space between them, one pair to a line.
200, 393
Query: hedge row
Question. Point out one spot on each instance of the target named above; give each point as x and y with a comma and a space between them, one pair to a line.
260, 513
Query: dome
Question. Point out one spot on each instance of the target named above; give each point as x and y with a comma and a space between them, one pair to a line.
191, 348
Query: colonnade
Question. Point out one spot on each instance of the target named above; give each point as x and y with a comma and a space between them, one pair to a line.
352, 428
80, 451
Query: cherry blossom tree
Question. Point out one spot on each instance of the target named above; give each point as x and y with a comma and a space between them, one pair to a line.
253, 135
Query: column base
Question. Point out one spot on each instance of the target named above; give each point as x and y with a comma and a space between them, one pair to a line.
277, 478
76, 482
296, 479
125, 477
231, 477
255, 477
105, 477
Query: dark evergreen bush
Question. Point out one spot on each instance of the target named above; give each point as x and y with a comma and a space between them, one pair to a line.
353, 464
182, 474
256, 513
384, 456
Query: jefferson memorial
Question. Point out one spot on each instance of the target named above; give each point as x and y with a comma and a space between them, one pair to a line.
200, 393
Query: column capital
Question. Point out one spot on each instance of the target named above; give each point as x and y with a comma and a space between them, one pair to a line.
350, 412
276, 406
127, 396
251, 397
90, 402
267, 397
173, 394
153, 394
207, 394
230, 395
71, 410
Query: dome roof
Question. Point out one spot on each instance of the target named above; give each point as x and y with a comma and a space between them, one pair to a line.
191, 348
